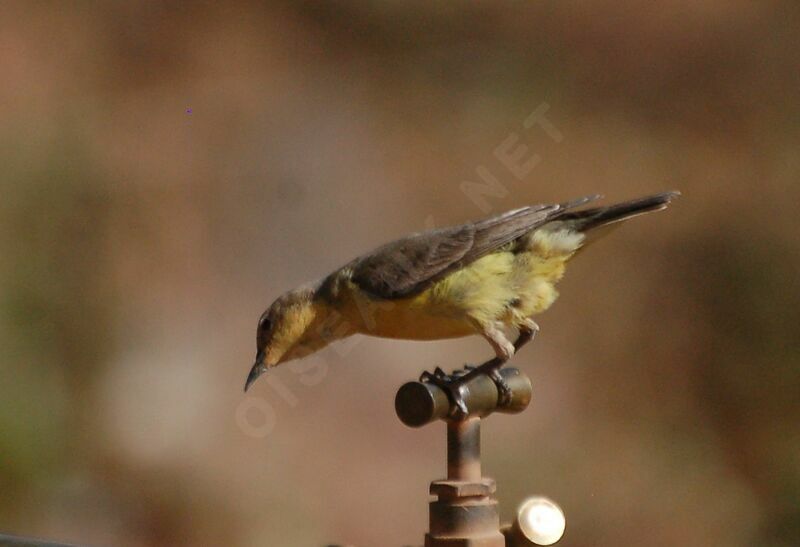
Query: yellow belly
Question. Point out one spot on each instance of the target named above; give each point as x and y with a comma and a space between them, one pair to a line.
502, 287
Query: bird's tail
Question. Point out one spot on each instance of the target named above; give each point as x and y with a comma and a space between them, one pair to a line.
595, 217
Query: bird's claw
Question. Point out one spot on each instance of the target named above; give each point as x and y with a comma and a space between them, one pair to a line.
432, 377
503, 389
453, 387
459, 411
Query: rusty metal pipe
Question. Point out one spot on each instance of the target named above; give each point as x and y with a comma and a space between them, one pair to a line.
464, 450
464, 513
420, 403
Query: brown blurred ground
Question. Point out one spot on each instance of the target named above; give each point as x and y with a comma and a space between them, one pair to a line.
140, 242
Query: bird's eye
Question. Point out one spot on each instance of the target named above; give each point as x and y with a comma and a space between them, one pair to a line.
266, 324
263, 332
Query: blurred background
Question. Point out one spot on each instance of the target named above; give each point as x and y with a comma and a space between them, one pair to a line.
169, 170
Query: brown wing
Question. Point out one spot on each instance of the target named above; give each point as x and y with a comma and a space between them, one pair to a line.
410, 265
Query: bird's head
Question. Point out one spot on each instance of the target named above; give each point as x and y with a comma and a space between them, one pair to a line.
286, 330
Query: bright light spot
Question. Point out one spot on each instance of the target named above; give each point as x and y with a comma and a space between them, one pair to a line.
541, 521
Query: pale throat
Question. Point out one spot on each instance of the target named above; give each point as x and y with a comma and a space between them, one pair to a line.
321, 325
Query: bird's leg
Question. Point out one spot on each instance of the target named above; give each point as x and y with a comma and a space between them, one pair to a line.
454, 384
451, 386
504, 349
527, 330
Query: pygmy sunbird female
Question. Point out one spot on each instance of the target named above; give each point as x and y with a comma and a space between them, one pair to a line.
476, 278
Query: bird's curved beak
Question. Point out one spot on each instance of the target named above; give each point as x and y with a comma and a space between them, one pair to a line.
258, 369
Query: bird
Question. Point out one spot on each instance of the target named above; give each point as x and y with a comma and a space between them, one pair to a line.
488, 278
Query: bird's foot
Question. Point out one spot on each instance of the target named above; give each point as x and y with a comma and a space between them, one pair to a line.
492, 370
437, 374
453, 386
503, 389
